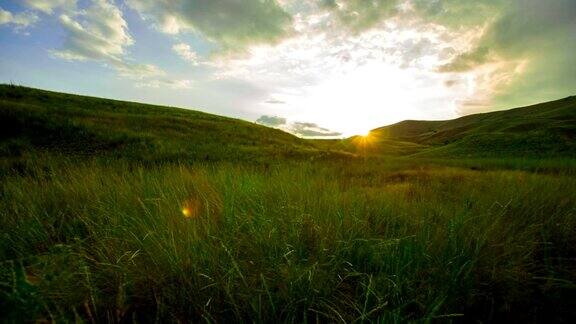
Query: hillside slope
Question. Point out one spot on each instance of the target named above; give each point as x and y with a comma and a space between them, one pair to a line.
33, 120
538, 130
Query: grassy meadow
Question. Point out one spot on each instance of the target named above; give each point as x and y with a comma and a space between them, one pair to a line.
344, 242
97, 227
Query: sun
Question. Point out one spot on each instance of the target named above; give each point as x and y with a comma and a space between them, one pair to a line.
365, 133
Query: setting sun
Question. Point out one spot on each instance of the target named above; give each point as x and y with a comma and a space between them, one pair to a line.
364, 133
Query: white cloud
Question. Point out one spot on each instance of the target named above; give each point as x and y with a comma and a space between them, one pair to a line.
97, 33
100, 33
148, 75
353, 83
19, 21
48, 6
186, 53
135, 71
525, 53
168, 83
346, 65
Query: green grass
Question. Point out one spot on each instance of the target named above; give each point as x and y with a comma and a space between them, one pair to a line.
33, 120
275, 228
297, 242
546, 129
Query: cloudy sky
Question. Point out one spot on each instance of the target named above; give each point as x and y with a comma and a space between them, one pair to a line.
312, 67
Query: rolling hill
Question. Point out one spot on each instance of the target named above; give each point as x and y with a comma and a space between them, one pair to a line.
33, 120
546, 129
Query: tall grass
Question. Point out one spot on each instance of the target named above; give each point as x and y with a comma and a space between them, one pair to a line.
298, 242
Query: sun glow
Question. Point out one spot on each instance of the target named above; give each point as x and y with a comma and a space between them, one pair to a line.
364, 142
369, 97
364, 133
350, 85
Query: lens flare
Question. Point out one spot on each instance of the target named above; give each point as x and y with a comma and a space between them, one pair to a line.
191, 207
187, 212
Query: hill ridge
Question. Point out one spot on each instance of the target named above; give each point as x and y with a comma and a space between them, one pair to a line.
39, 120
34, 120
540, 129
569, 98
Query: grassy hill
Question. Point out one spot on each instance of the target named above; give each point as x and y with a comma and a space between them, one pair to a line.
33, 120
546, 129
91, 232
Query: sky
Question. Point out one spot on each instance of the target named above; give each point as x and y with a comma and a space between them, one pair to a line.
315, 68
